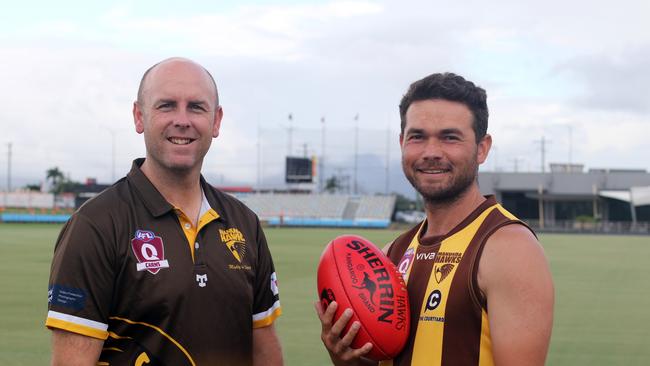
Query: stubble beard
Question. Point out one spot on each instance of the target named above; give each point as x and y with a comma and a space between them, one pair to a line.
448, 194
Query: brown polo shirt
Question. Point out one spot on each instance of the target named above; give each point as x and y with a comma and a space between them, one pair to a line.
131, 269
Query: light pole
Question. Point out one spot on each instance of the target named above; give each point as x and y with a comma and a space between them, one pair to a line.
540, 204
8, 167
290, 117
386, 187
356, 150
321, 170
542, 144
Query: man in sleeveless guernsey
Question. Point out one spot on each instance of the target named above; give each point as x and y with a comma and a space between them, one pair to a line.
480, 289
161, 268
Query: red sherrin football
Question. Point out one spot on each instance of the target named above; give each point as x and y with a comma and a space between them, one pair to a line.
357, 275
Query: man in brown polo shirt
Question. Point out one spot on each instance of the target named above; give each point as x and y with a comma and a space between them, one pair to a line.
161, 268
480, 290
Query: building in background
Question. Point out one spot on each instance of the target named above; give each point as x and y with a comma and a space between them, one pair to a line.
567, 197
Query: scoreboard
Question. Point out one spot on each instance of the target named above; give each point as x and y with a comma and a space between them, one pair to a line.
299, 170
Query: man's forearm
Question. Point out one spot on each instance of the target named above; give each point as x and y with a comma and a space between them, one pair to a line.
71, 349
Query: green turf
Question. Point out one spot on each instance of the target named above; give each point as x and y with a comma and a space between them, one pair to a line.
602, 284
25, 255
602, 307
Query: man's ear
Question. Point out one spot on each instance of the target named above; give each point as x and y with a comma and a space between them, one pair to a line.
484, 148
138, 118
218, 115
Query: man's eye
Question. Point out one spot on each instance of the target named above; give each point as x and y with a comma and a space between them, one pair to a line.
451, 138
415, 137
197, 107
164, 106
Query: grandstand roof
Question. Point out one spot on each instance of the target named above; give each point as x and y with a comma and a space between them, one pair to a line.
624, 185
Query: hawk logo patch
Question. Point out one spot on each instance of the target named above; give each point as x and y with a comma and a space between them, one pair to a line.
149, 250
441, 272
235, 242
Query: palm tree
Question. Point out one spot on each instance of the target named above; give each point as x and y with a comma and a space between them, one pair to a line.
55, 176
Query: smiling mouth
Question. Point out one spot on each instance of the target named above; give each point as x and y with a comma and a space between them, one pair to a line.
180, 140
433, 171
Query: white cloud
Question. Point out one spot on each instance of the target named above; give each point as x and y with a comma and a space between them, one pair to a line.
546, 66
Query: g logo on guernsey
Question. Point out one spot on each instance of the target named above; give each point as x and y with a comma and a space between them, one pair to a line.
149, 251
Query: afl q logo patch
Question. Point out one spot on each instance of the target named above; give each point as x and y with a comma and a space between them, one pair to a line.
435, 298
149, 250
405, 262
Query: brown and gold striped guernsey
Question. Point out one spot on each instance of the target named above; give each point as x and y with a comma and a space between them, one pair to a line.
449, 325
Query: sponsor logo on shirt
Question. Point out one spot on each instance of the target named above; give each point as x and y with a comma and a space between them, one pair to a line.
434, 299
235, 241
426, 256
69, 297
149, 251
201, 279
433, 302
274, 284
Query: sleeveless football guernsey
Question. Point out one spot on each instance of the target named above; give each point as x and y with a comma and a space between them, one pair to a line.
449, 324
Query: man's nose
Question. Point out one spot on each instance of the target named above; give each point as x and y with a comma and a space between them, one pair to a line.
182, 118
433, 149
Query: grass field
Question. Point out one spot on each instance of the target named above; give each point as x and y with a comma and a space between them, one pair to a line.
602, 284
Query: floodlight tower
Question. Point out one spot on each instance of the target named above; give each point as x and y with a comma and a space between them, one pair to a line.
290, 131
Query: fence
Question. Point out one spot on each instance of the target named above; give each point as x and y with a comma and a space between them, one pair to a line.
601, 227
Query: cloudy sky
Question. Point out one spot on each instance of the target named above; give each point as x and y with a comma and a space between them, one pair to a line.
572, 72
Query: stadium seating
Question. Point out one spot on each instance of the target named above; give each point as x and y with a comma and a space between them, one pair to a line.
338, 210
376, 207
